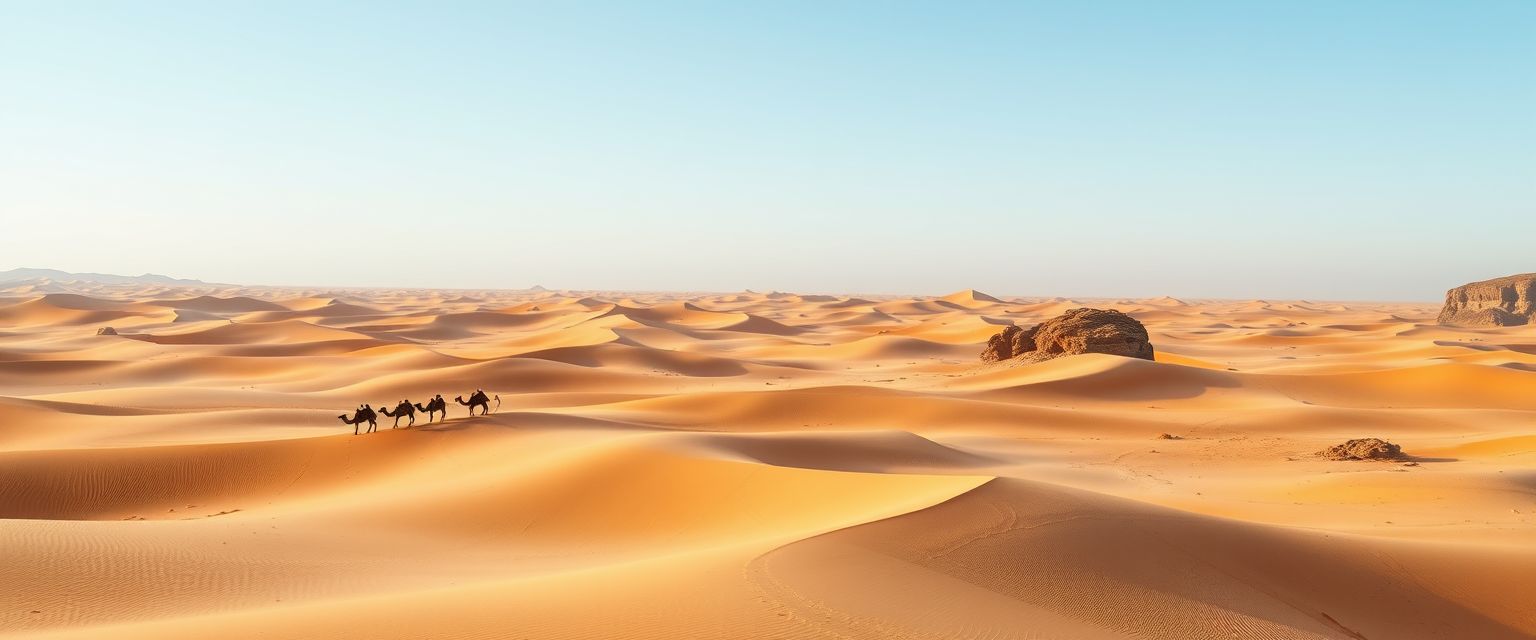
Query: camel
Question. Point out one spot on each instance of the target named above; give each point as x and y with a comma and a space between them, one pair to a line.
403, 409
371, 417
364, 414
435, 405
476, 399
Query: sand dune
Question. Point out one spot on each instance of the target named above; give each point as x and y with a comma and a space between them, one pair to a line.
61, 309
752, 465
1106, 566
971, 298
283, 331
234, 304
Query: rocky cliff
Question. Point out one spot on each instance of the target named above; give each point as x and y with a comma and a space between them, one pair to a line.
1500, 302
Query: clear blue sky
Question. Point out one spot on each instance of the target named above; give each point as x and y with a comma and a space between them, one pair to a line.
1355, 150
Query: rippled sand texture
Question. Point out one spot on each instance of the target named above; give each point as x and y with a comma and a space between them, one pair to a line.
753, 465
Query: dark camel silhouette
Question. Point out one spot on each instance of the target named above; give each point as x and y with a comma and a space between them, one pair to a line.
476, 399
364, 414
404, 409
435, 405
371, 417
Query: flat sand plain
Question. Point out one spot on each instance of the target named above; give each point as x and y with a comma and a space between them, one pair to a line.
753, 465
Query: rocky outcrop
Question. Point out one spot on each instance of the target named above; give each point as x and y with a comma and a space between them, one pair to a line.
1076, 331
106, 331
1500, 302
1364, 449
1012, 341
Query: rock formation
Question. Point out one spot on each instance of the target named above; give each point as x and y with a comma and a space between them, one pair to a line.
106, 331
1363, 449
1076, 331
1011, 342
1500, 302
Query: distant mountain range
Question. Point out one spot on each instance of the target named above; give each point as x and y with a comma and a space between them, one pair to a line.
22, 274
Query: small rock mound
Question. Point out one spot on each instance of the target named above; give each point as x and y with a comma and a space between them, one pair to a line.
1364, 449
106, 331
1501, 302
1076, 331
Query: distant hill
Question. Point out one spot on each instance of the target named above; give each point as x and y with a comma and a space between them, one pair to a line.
23, 274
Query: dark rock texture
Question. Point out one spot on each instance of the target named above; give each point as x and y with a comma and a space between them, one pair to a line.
1012, 341
1076, 331
1363, 449
1500, 302
106, 331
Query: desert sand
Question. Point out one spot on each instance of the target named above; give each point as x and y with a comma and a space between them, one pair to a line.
753, 465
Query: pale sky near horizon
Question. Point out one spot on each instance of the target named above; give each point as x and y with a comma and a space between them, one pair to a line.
1323, 150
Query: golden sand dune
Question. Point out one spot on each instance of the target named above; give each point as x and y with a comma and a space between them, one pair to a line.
753, 465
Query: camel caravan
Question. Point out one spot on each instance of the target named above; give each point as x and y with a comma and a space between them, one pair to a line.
407, 409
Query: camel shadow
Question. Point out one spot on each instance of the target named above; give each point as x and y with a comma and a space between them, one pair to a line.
464, 422
520, 420
454, 424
